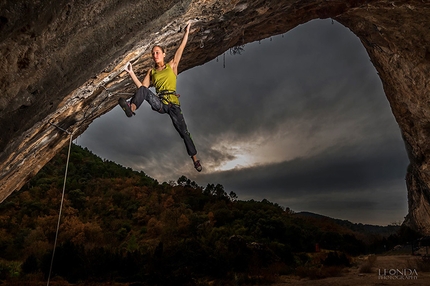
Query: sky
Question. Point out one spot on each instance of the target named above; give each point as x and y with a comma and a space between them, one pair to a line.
299, 119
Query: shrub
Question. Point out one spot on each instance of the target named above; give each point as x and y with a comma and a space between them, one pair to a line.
9, 269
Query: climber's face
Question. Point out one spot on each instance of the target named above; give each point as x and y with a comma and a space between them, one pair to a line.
158, 54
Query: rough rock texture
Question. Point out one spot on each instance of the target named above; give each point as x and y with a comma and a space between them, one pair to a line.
61, 62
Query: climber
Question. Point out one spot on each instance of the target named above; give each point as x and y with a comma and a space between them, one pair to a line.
163, 77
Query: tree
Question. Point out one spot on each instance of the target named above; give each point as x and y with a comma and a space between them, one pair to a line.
232, 196
219, 191
182, 181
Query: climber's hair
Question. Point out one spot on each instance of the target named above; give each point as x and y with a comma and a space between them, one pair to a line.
158, 46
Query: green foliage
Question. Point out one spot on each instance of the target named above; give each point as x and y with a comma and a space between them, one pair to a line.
121, 225
9, 269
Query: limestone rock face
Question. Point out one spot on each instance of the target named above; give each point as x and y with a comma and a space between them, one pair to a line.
61, 61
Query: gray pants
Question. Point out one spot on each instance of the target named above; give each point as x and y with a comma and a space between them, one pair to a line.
173, 110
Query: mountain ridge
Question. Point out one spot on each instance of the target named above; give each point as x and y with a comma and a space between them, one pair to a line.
360, 227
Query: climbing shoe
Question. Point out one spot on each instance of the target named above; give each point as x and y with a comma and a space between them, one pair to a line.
126, 107
198, 166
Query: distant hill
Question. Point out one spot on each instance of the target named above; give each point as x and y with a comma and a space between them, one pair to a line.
365, 229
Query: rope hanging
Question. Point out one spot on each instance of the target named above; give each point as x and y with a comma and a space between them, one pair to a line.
109, 93
62, 199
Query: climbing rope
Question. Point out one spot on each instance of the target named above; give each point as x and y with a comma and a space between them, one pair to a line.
62, 199
108, 94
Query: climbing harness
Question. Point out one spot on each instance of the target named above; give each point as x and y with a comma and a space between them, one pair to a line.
162, 94
62, 197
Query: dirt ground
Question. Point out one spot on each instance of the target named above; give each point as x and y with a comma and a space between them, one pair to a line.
383, 272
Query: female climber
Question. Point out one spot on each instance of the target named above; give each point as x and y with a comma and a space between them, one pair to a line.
163, 78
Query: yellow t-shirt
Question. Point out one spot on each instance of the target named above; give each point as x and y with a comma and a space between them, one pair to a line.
165, 80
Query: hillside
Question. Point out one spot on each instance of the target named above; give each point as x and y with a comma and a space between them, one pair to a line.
121, 225
366, 229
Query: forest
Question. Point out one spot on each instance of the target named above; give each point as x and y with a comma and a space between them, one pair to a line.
120, 225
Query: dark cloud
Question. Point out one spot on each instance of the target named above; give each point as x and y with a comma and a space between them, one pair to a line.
334, 170
304, 114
